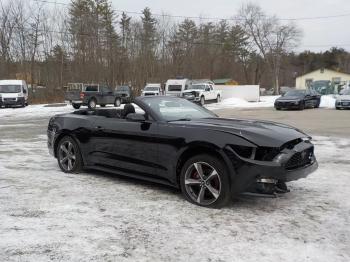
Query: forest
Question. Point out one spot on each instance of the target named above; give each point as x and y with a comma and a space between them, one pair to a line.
51, 44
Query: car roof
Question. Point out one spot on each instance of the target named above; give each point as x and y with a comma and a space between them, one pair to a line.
11, 82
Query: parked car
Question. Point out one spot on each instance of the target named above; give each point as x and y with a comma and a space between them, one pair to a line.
343, 100
298, 99
125, 93
175, 87
152, 90
173, 141
201, 93
92, 95
13, 93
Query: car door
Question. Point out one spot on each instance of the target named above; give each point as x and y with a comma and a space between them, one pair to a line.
212, 93
124, 146
308, 99
107, 95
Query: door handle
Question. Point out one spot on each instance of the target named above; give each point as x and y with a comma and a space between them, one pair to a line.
100, 128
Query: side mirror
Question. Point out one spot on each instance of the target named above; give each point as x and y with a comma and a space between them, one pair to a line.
24, 91
135, 117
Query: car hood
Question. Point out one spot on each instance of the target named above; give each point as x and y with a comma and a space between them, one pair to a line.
260, 133
343, 97
192, 90
151, 92
288, 98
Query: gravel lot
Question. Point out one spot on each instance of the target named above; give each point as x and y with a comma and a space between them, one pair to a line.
48, 215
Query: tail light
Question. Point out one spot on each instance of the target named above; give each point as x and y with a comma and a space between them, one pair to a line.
81, 95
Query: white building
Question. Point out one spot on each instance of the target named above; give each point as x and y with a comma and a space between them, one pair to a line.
336, 77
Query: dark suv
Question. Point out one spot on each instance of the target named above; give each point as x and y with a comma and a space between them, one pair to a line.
92, 95
124, 92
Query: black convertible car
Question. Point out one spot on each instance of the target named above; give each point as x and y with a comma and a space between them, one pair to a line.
298, 99
172, 141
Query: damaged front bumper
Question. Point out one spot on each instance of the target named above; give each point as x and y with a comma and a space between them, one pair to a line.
288, 165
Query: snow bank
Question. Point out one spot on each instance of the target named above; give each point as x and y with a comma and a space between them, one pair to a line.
328, 101
34, 110
265, 101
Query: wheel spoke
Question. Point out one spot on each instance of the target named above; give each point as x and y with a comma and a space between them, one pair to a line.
63, 160
199, 169
70, 165
190, 181
70, 148
72, 157
64, 149
200, 197
213, 191
212, 175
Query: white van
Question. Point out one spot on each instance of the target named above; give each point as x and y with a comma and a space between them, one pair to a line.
175, 87
13, 93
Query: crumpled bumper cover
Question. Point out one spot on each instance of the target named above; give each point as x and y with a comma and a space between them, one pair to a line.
247, 171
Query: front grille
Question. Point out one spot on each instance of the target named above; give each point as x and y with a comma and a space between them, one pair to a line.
10, 99
300, 159
149, 94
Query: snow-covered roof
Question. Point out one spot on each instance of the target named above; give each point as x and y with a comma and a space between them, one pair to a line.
11, 82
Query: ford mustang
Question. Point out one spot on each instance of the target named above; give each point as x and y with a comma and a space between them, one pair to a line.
172, 141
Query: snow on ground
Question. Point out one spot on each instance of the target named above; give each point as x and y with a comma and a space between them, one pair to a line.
48, 215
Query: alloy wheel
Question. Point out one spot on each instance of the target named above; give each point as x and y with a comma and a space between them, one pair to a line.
202, 183
67, 156
92, 103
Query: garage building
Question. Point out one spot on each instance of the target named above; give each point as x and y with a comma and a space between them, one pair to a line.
333, 76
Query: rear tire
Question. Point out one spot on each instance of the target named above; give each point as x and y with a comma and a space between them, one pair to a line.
278, 108
76, 106
117, 102
205, 181
92, 103
337, 108
69, 156
202, 101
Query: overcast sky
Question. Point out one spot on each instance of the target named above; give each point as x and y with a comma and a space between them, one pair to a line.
318, 34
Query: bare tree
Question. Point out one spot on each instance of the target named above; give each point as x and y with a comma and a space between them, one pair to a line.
271, 38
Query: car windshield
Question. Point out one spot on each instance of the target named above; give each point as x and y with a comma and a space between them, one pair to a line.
177, 109
198, 87
295, 93
174, 87
122, 88
151, 88
10, 88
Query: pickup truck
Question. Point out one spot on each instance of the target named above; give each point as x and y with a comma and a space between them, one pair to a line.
200, 93
91, 95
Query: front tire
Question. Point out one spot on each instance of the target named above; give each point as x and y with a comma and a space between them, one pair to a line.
76, 106
69, 156
205, 182
92, 103
302, 106
202, 101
